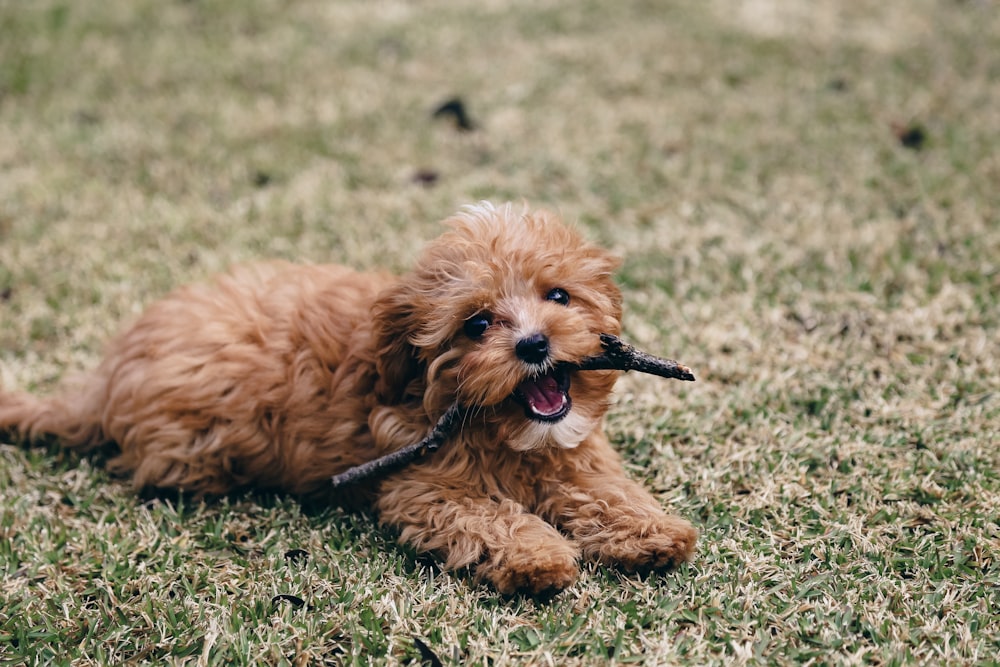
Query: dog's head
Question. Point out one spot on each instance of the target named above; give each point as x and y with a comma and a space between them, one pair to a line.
489, 316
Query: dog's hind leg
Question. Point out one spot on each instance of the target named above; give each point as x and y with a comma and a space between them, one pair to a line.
72, 417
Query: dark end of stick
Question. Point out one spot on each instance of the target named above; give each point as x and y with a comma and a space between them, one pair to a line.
619, 355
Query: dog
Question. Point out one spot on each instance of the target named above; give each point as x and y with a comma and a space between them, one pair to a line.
279, 376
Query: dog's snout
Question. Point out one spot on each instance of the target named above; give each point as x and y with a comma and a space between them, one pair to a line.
533, 349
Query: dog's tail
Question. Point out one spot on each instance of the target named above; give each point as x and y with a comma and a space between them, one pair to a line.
73, 418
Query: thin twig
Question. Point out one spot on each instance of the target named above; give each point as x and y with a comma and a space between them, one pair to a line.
618, 355
406, 455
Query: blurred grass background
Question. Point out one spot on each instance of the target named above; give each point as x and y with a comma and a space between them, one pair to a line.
807, 198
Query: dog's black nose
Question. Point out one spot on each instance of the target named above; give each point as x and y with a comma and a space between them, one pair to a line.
534, 348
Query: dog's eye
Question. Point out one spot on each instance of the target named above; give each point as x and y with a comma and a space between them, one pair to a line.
477, 325
559, 295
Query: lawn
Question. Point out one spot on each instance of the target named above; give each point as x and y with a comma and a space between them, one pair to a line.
807, 200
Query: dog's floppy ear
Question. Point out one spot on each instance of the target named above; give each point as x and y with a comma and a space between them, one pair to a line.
396, 360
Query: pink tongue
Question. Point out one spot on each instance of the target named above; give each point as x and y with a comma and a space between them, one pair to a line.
543, 394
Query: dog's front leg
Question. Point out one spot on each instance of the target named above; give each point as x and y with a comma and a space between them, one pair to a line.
512, 549
613, 519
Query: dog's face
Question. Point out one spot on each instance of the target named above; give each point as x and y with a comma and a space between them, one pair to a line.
492, 312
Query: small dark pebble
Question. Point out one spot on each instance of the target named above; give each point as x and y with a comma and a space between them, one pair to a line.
294, 600
913, 137
426, 177
454, 109
297, 555
427, 656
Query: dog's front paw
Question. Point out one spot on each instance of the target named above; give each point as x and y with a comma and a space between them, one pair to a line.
650, 546
541, 573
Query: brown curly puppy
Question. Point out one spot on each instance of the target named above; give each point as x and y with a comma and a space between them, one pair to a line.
280, 376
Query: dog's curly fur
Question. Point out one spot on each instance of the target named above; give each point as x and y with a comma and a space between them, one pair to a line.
280, 376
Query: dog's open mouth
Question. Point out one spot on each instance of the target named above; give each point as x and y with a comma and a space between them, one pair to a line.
545, 397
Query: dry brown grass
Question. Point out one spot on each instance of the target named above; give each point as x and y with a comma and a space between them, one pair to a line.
836, 292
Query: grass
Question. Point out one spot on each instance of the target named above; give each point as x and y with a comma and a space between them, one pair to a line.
835, 288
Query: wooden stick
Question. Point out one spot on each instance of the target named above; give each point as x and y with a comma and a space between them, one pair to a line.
618, 355
406, 455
